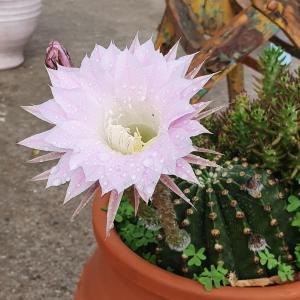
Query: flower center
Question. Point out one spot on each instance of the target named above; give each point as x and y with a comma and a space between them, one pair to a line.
129, 128
130, 139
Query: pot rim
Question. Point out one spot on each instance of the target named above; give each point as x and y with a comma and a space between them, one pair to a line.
162, 282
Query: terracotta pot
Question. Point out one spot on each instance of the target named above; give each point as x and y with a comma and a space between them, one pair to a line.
18, 20
115, 272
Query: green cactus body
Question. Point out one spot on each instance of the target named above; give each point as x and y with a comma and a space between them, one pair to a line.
236, 208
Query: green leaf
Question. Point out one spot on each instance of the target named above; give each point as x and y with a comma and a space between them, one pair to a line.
296, 220
194, 261
213, 277
200, 254
190, 250
282, 276
150, 257
206, 282
262, 258
148, 234
294, 203
285, 272
196, 257
267, 258
118, 218
272, 263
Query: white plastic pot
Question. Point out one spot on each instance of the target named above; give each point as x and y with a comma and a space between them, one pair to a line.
18, 20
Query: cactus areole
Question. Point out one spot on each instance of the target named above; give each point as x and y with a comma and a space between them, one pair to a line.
116, 272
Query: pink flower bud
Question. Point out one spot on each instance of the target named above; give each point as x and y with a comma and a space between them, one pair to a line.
56, 55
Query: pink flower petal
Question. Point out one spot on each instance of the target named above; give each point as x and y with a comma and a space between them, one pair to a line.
191, 127
201, 105
39, 142
97, 53
73, 104
171, 55
188, 116
77, 185
135, 44
89, 195
60, 173
46, 157
192, 74
64, 77
181, 65
209, 112
197, 160
204, 150
168, 182
42, 176
136, 200
147, 183
67, 134
196, 85
48, 111
185, 171
113, 205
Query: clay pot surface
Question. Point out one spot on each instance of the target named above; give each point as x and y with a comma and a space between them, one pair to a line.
18, 20
115, 272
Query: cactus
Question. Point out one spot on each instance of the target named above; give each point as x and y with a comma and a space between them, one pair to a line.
267, 129
239, 210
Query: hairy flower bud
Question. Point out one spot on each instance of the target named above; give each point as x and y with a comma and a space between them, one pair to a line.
56, 54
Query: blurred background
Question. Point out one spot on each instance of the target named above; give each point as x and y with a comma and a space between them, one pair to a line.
41, 252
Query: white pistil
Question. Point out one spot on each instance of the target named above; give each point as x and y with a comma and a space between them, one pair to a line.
121, 139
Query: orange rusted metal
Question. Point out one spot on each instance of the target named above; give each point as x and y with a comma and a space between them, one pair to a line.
226, 32
285, 14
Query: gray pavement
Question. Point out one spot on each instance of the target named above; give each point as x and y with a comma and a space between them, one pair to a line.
41, 252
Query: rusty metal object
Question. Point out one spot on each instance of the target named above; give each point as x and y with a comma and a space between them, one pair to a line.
225, 40
166, 34
285, 46
285, 14
194, 21
246, 32
235, 81
251, 63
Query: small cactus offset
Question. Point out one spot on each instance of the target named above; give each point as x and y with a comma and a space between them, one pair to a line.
266, 130
239, 211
